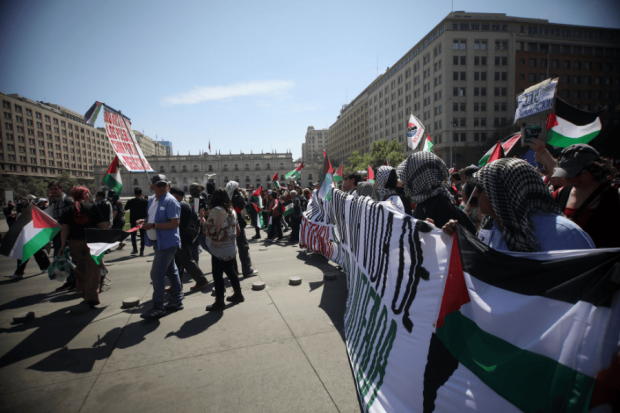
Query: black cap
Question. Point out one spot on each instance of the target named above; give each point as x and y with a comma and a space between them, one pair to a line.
100, 193
177, 191
574, 158
158, 179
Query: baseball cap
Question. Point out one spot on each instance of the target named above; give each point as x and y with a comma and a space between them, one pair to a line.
177, 191
158, 179
573, 159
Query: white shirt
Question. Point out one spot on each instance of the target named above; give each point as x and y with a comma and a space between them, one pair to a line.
152, 233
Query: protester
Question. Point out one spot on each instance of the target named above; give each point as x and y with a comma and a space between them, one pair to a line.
104, 207
470, 204
296, 217
118, 215
162, 229
275, 212
183, 257
254, 219
424, 176
304, 198
239, 203
351, 180
284, 197
455, 187
10, 214
199, 200
137, 208
386, 183
521, 214
589, 199
76, 218
58, 203
220, 226
366, 189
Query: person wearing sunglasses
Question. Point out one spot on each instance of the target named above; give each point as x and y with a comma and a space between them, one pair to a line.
589, 199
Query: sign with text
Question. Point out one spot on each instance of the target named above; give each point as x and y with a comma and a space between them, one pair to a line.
536, 100
123, 141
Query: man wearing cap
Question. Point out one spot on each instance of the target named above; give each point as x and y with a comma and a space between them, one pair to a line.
162, 229
589, 199
137, 208
183, 257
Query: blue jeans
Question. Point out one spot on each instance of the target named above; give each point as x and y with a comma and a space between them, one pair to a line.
164, 266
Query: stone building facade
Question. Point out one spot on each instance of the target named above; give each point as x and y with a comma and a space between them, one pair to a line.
149, 146
316, 141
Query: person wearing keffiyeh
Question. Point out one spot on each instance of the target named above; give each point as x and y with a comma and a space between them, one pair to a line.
424, 177
386, 183
367, 189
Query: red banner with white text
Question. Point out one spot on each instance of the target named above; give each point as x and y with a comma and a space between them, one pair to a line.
123, 140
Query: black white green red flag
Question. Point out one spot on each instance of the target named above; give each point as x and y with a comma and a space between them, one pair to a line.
506, 147
296, 173
101, 240
570, 125
112, 178
32, 230
274, 182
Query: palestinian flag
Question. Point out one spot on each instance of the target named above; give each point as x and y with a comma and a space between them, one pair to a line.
339, 174
371, 175
259, 214
91, 116
101, 240
32, 230
428, 144
288, 207
295, 174
255, 198
268, 225
328, 180
112, 178
274, 182
527, 334
506, 146
569, 125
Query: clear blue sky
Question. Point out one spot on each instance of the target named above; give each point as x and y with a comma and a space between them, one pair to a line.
245, 75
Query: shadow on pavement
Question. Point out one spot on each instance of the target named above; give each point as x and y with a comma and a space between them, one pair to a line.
197, 325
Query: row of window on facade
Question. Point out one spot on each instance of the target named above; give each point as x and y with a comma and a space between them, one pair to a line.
162, 168
236, 178
479, 60
566, 64
479, 44
569, 49
480, 26
569, 33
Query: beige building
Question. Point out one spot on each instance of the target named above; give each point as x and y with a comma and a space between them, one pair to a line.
43, 139
149, 146
316, 142
462, 78
247, 169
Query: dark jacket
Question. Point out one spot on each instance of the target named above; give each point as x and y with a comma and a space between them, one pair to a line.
186, 212
441, 209
238, 203
137, 208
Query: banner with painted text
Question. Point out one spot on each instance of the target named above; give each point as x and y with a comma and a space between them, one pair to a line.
123, 140
440, 324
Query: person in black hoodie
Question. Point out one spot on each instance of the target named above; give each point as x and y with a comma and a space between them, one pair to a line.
238, 203
137, 208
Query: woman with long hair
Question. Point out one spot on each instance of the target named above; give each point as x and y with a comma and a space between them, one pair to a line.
220, 228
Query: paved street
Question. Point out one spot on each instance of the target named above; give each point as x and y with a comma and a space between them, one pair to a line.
282, 350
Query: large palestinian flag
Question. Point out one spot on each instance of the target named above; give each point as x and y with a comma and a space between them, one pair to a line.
255, 198
518, 333
339, 174
101, 240
32, 230
328, 180
296, 173
569, 125
112, 178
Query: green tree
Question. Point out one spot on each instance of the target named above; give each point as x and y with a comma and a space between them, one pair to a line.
379, 152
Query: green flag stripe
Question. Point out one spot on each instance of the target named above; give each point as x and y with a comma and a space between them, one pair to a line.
98, 258
112, 183
530, 381
484, 160
557, 139
39, 241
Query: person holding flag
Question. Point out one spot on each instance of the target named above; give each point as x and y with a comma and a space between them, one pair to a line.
275, 216
256, 211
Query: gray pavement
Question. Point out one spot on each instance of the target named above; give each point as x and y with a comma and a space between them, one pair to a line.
282, 350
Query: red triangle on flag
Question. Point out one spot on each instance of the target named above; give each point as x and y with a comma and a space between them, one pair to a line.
41, 220
455, 293
371, 173
498, 153
552, 121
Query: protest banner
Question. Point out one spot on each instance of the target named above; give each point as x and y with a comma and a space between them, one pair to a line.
440, 324
536, 101
124, 142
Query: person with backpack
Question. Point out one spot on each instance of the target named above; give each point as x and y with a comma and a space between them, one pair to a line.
239, 204
189, 228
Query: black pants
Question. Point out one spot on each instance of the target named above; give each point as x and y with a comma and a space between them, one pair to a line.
40, 257
244, 252
295, 224
219, 267
183, 260
276, 227
134, 244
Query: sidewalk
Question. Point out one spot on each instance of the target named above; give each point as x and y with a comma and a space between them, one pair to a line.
281, 350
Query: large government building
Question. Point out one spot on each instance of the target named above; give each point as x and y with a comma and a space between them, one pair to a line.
250, 170
461, 80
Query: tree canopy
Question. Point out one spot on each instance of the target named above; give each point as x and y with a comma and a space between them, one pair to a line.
379, 152
28, 185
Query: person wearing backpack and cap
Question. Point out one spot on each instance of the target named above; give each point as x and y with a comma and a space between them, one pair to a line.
162, 230
589, 199
183, 258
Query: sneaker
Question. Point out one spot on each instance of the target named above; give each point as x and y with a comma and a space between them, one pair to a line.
154, 313
134, 252
16, 276
236, 298
251, 274
256, 237
142, 253
217, 306
68, 285
198, 287
174, 307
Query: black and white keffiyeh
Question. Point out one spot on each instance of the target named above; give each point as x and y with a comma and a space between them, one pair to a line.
386, 180
423, 175
515, 191
230, 188
367, 189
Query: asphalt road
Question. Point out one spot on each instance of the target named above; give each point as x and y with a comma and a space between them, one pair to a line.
282, 350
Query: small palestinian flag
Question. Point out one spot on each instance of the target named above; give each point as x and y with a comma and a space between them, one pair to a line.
569, 125
295, 174
289, 208
259, 215
529, 330
101, 240
32, 230
255, 198
268, 225
328, 180
112, 178
339, 174
498, 153
274, 182
507, 146
371, 175
428, 144
91, 116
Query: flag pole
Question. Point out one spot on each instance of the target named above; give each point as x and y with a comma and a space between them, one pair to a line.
148, 179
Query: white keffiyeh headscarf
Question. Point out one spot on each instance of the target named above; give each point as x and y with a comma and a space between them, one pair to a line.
382, 178
230, 188
515, 191
367, 189
423, 175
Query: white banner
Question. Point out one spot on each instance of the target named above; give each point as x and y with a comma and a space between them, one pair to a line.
123, 142
536, 100
415, 132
